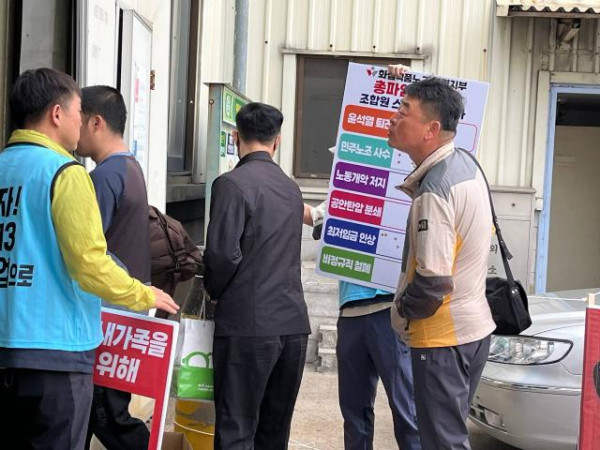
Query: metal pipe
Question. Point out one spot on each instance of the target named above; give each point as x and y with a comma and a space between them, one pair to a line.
240, 46
552, 44
525, 130
266, 51
574, 52
597, 48
504, 107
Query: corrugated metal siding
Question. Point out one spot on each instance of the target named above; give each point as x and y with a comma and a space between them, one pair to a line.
460, 37
453, 32
552, 5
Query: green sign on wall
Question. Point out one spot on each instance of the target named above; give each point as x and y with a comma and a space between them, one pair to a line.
231, 105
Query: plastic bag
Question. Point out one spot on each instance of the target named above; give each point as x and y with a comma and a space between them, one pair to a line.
194, 361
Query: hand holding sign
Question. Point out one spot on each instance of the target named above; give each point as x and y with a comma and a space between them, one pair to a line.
397, 69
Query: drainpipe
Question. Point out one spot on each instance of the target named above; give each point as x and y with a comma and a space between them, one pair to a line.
240, 46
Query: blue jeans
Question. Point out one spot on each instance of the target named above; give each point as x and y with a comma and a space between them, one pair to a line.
368, 349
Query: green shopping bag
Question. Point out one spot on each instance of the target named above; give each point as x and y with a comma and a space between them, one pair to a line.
194, 363
195, 376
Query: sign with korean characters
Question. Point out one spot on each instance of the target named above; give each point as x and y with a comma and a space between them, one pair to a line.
137, 356
232, 103
13, 273
365, 222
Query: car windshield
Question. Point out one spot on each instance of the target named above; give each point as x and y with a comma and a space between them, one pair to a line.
562, 301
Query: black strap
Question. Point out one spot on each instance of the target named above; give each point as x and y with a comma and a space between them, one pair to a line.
506, 255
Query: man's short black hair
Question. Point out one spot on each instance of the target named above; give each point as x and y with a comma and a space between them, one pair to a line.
439, 101
106, 102
258, 122
36, 90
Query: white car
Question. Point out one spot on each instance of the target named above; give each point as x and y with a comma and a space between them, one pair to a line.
530, 390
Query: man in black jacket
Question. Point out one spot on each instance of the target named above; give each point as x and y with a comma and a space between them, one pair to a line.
252, 260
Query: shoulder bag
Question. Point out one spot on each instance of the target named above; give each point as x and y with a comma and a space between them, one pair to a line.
506, 296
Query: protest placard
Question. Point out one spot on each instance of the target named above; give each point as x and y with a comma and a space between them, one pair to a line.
136, 355
365, 222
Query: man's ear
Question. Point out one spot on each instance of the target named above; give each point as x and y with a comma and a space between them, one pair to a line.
433, 130
236, 138
56, 113
277, 142
97, 121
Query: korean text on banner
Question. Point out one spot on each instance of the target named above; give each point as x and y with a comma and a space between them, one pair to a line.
589, 433
364, 225
137, 356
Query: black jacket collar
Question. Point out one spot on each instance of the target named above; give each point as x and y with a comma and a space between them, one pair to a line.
261, 155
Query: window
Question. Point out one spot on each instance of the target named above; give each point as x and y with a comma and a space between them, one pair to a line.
320, 91
47, 35
184, 46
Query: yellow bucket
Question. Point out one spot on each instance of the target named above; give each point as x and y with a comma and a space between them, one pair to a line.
196, 419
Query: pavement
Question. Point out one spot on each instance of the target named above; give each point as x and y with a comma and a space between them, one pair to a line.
317, 422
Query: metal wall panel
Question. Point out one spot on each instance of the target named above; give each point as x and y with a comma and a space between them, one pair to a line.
458, 37
453, 34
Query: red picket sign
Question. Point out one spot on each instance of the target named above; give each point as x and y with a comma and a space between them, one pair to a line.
137, 356
589, 432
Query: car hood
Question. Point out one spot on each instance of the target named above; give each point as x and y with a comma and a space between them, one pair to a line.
556, 310
561, 316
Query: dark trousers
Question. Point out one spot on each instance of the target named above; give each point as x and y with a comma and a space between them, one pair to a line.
368, 349
256, 384
44, 410
445, 382
112, 424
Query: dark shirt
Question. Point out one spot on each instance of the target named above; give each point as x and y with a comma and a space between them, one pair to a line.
252, 254
123, 201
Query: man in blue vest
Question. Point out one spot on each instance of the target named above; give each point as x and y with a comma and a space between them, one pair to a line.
368, 349
54, 269
121, 192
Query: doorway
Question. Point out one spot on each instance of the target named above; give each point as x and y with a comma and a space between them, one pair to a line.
568, 243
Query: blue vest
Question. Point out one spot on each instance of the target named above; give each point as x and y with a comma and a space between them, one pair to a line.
350, 292
41, 306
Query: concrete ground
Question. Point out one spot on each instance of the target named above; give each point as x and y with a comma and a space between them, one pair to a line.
317, 420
